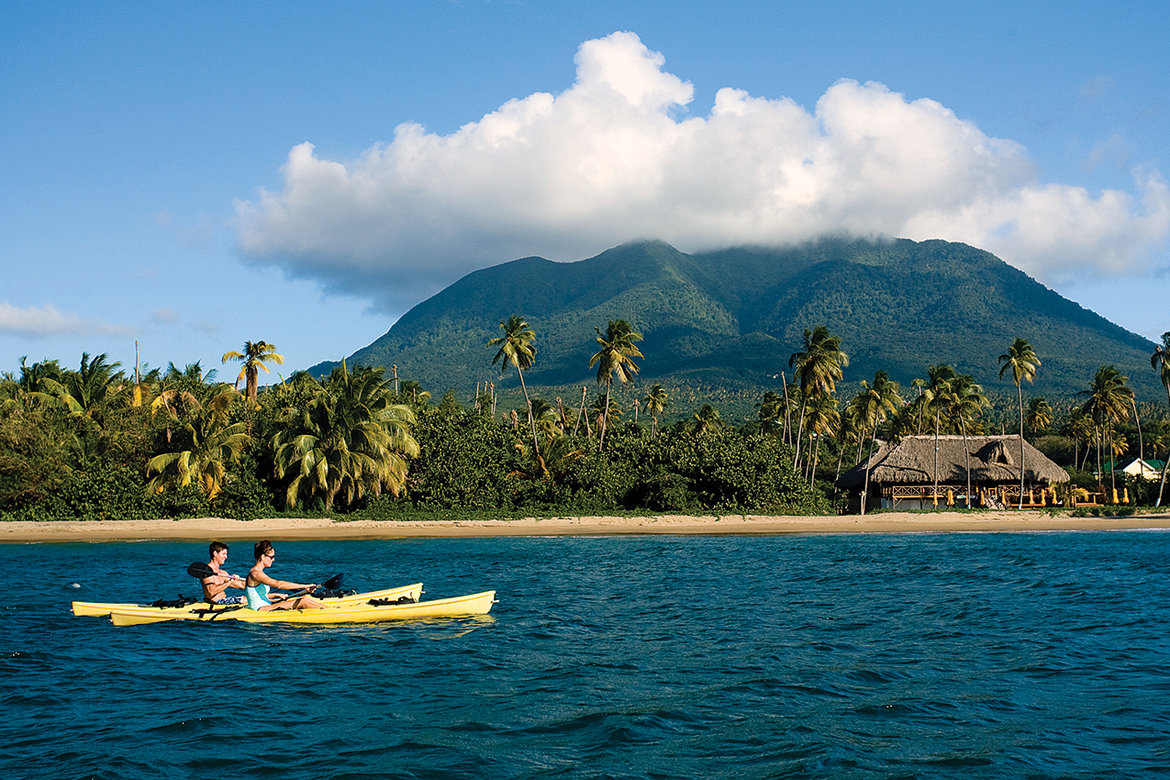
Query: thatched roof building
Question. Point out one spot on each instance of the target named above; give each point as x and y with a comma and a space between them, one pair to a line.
907, 470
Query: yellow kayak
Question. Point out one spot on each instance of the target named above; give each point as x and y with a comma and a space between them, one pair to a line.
99, 609
365, 612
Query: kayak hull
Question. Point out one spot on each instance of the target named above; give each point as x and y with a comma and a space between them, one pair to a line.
459, 606
99, 609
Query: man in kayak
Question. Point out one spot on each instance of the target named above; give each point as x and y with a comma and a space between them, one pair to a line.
215, 584
256, 589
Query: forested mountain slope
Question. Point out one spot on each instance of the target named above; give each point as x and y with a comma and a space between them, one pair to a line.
733, 317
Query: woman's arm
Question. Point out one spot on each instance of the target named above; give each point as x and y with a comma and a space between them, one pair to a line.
261, 576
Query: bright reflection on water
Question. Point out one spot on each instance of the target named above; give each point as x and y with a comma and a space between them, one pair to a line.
964, 655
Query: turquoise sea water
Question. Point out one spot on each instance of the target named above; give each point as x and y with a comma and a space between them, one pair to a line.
960, 655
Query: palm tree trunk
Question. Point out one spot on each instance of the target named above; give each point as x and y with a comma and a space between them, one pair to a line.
1113, 470
1162, 484
577, 422
966, 457
1020, 393
787, 415
816, 452
1100, 476
865, 486
1141, 443
604, 419
936, 416
799, 433
531, 422
1165, 464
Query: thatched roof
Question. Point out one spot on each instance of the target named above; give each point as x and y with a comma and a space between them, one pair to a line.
994, 459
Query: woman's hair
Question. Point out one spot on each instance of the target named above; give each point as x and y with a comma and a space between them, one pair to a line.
261, 548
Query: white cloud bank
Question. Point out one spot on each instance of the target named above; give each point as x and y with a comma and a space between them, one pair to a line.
617, 157
46, 321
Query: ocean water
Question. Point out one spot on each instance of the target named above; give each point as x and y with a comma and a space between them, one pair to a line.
950, 655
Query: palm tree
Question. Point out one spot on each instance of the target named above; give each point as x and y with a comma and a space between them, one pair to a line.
210, 443
1078, 426
769, 411
934, 399
616, 356
1021, 360
516, 349
92, 385
1107, 403
705, 420
349, 439
871, 408
823, 420
655, 402
818, 368
1160, 362
1039, 415
967, 402
254, 356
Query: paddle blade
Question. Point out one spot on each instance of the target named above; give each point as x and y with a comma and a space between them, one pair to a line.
333, 583
199, 570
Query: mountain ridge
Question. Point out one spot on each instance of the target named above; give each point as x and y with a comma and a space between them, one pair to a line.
733, 316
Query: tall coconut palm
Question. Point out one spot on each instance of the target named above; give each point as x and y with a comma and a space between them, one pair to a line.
818, 369
934, 400
1160, 362
1021, 360
616, 357
1107, 403
349, 439
967, 402
655, 403
254, 357
516, 349
872, 406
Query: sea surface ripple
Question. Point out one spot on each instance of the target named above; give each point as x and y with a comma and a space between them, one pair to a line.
895, 655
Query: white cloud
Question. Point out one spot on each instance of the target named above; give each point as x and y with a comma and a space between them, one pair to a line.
46, 321
619, 156
164, 317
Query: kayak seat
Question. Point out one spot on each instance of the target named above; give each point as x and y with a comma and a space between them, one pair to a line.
390, 602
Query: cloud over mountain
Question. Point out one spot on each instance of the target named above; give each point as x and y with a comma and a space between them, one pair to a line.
619, 155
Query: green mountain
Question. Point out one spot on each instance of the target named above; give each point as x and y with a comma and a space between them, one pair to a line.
732, 318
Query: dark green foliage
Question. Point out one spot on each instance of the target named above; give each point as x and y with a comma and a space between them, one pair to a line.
464, 461
729, 320
106, 491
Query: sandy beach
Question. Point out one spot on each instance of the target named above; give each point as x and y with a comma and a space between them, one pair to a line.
323, 528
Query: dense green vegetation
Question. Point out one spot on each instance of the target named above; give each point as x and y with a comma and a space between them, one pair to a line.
95, 443
719, 327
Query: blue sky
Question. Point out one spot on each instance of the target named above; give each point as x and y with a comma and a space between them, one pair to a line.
193, 176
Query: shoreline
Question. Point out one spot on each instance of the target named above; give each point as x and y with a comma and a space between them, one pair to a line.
285, 529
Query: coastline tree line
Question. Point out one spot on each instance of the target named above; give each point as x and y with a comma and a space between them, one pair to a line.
98, 442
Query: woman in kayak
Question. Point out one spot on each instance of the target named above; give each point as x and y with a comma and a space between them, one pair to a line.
256, 590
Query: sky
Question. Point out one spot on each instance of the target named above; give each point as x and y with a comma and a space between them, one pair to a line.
187, 177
